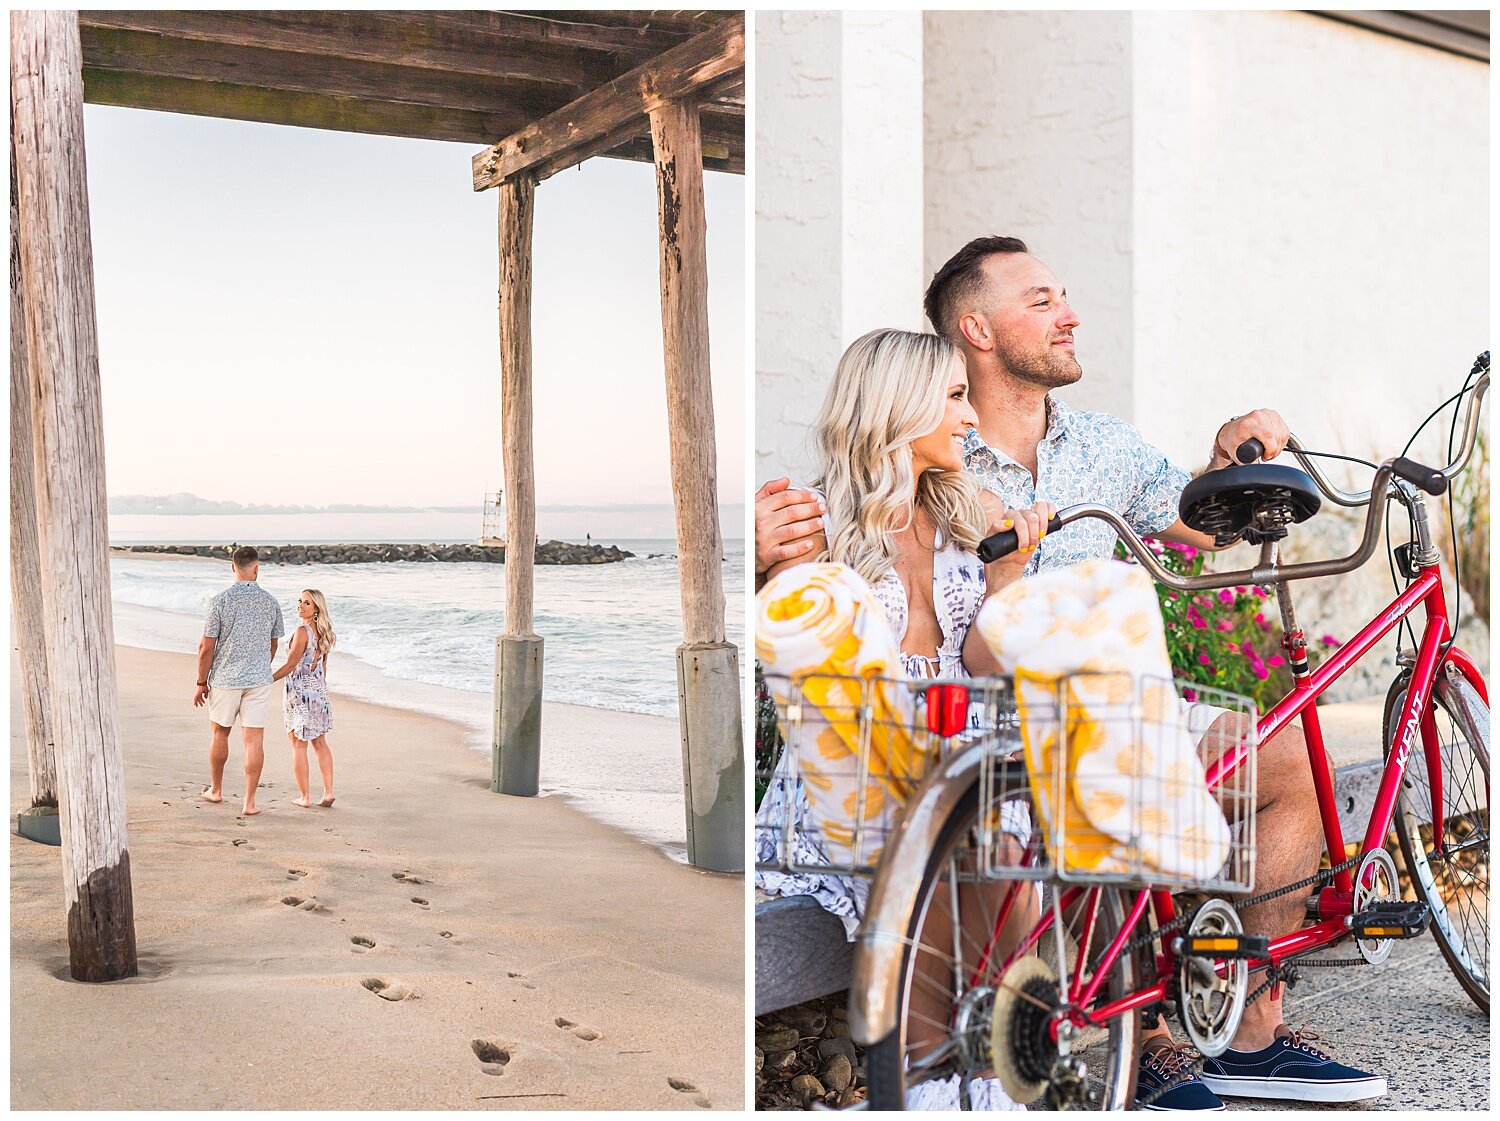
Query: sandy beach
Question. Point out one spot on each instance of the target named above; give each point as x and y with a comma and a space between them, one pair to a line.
553, 962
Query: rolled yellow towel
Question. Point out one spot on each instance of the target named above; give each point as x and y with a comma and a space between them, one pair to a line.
821, 626
1087, 642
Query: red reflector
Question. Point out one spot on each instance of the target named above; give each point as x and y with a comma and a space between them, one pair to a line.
947, 709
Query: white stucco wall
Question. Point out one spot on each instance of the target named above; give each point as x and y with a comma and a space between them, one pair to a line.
838, 206
1028, 134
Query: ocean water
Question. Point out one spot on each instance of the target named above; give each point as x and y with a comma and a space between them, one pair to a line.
422, 637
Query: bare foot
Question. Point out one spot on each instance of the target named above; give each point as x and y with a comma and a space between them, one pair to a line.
210, 795
249, 811
303, 802
326, 800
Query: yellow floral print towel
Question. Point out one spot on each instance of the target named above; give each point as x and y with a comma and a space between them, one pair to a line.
821, 626
1086, 641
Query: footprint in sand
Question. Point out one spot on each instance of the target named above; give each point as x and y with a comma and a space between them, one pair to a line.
295, 873
407, 878
389, 990
241, 843
304, 904
445, 934
581, 1032
683, 1086
361, 943
521, 977
492, 1055
422, 903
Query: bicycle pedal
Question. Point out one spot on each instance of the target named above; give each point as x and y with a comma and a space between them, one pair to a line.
1394, 918
1220, 946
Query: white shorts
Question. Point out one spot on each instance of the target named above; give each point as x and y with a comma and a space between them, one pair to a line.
249, 705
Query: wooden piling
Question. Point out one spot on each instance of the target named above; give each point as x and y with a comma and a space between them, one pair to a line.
68, 429
517, 746
708, 678
690, 413
25, 560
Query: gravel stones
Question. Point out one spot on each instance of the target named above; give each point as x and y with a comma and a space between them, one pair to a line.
820, 1067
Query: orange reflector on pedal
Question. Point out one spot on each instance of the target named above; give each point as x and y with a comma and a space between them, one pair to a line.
1208, 945
947, 709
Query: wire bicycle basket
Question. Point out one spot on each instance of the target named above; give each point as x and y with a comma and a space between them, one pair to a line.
856, 749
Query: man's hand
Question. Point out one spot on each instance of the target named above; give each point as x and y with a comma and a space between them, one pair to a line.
200, 696
788, 525
1264, 425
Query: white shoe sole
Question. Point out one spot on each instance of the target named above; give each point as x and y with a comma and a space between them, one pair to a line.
1169, 1109
1295, 1090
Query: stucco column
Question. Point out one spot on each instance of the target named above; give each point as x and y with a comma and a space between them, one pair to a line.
838, 206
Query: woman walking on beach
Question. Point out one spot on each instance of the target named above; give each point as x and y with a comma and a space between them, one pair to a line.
305, 706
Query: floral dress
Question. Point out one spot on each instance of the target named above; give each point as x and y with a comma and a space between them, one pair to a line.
958, 587
305, 704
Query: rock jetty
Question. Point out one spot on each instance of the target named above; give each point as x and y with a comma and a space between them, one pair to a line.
547, 552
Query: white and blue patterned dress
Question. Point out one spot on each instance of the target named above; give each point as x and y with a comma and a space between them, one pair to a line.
305, 705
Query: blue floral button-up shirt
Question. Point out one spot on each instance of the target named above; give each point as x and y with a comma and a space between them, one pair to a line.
1085, 457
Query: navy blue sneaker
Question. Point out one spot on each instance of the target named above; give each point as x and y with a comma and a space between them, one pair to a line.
1291, 1070
1171, 1064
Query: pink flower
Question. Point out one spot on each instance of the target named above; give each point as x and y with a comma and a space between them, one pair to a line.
1203, 660
1197, 622
1189, 695
1226, 625
1329, 640
1232, 647
1260, 671
1275, 660
1262, 593
1226, 596
1171, 595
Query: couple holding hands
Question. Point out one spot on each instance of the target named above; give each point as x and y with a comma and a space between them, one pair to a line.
240, 634
928, 443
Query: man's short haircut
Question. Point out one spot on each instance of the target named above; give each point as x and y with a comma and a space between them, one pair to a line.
244, 556
960, 279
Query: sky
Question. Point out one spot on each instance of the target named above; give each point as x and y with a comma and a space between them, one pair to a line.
293, 315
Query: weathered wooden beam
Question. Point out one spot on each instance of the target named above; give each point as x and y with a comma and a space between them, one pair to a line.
640, 34
305, 110
247, 103
68, 427
153, 55
414, 39
517, 205
574, 132
25, 557
690, 412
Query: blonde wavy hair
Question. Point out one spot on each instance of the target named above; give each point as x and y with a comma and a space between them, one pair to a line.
322, 626
890, 388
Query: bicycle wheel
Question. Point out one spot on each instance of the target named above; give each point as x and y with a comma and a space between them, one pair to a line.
1450, 870
951, 987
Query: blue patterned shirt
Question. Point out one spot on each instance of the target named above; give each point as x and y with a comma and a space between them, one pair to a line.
1085, 457
245, 619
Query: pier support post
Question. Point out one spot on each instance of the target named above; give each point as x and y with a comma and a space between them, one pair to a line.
713, 765
517, 747
708, 667
62, 350
518, 715
25, 556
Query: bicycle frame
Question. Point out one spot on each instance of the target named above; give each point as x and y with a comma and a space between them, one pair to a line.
1335, 903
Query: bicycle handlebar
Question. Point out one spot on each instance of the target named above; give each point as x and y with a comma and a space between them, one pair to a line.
1429, 479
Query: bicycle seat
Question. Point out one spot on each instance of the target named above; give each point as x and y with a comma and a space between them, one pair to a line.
1255, 502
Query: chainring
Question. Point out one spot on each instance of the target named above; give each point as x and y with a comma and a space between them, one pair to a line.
1375, 881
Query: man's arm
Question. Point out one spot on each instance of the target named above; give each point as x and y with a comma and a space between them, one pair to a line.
205, 664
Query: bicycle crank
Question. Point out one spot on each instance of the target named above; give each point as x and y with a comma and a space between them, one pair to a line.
1211, 1004
1375, 887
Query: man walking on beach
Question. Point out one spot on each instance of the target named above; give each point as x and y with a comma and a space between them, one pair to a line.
234, 671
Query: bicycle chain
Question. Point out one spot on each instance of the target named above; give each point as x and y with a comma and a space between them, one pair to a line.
1274, 973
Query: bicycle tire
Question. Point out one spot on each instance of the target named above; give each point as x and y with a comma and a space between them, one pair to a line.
1460, 922
885, 1059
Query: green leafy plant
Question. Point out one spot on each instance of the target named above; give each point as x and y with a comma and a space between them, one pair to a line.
1228, 638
